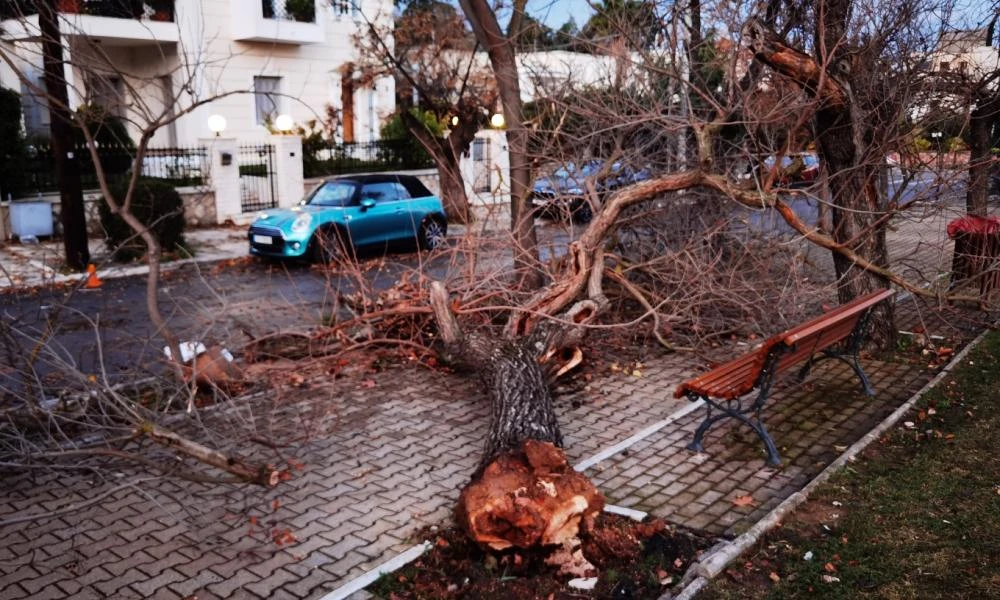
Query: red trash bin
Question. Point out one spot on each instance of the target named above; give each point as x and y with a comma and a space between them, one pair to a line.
977, 249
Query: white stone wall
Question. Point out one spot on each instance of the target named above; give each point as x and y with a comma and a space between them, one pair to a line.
200, 56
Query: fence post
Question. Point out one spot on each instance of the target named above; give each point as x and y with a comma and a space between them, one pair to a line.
224, 171
288, 168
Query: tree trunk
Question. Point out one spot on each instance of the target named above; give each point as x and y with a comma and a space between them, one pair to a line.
72, 214
501, 52
520, 399
446, 152
453, 196
984, 116
853, 181
524, 492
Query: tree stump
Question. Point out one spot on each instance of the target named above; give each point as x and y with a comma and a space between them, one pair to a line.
529, 498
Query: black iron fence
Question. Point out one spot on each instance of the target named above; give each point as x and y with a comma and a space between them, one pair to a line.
177, 166
321, 159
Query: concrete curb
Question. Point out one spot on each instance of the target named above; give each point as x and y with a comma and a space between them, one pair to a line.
709, 567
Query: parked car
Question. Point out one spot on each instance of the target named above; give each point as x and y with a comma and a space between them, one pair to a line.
563, 193
797, 169
351, 212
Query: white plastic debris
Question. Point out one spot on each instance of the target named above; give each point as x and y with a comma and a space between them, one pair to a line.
583, 583
189, 350
808, 555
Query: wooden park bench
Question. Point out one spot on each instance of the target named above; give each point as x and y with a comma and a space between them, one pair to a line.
838, 334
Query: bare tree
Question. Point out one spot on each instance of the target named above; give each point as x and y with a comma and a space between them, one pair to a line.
439, 74
500, 47
91, 415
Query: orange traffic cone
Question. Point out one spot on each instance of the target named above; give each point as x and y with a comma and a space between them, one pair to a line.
93, 281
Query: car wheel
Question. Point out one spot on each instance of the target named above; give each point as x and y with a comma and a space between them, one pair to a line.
433, 234
325, 245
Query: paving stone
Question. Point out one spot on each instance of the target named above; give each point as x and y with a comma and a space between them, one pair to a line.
271, 586
146, 588
229, 586
194, 585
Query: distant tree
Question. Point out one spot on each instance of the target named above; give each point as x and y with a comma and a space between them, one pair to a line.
632, 20
535, 35
434, 64
566, 36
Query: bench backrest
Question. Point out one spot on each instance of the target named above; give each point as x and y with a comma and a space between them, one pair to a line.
741, 375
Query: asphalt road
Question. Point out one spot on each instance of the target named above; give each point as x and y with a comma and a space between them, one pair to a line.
108, 333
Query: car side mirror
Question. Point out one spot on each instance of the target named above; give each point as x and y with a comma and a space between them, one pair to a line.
367, 203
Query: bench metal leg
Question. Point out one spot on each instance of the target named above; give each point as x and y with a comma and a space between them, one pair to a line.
851, 359
755, 423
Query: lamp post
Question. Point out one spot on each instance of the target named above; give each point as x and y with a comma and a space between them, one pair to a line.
217, 124
936, 136
284, 124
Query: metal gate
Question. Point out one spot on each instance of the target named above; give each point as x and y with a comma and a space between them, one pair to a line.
256, 165
481, 165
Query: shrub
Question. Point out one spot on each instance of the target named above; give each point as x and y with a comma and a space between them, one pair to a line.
301, 10
921, 144
157, 205
13, 148
957, 144
409, 148
110, 134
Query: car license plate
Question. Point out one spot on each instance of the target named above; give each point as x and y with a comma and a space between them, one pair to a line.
263, 239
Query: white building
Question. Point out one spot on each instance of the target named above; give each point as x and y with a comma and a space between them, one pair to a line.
247, 60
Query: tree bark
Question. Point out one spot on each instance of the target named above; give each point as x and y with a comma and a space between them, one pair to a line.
446, 153
984, 117
500, 49
72, 214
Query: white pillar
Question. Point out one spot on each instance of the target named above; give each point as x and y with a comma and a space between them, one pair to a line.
288, 169
224, 171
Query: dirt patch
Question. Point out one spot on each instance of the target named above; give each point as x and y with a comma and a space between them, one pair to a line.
633, 560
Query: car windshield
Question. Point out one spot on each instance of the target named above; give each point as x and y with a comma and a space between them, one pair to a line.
333, 193
586, 169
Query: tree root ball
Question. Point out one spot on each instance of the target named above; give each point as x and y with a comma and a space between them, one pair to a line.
528, 498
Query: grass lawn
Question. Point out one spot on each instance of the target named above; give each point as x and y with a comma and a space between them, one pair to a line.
917, 516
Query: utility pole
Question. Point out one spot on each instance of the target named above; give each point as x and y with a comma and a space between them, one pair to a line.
72, 215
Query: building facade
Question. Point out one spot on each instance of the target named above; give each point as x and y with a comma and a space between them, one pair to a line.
185, 60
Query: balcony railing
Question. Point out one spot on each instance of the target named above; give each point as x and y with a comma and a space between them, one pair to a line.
149, 10
303, 11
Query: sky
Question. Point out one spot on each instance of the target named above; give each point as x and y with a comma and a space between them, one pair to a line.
556, 12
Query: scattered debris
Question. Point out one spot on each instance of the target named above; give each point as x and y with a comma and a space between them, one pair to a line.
583, 583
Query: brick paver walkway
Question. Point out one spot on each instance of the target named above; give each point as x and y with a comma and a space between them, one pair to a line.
380, 464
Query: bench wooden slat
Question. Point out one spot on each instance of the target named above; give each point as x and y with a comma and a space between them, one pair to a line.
739, 376
856, 307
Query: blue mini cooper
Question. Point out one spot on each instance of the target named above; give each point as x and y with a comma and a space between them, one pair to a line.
349, 212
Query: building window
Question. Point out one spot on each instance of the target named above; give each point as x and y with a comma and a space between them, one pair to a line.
340, 8
265, 97
945, 66
108, 93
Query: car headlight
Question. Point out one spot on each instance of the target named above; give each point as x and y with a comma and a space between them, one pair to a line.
301, 223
